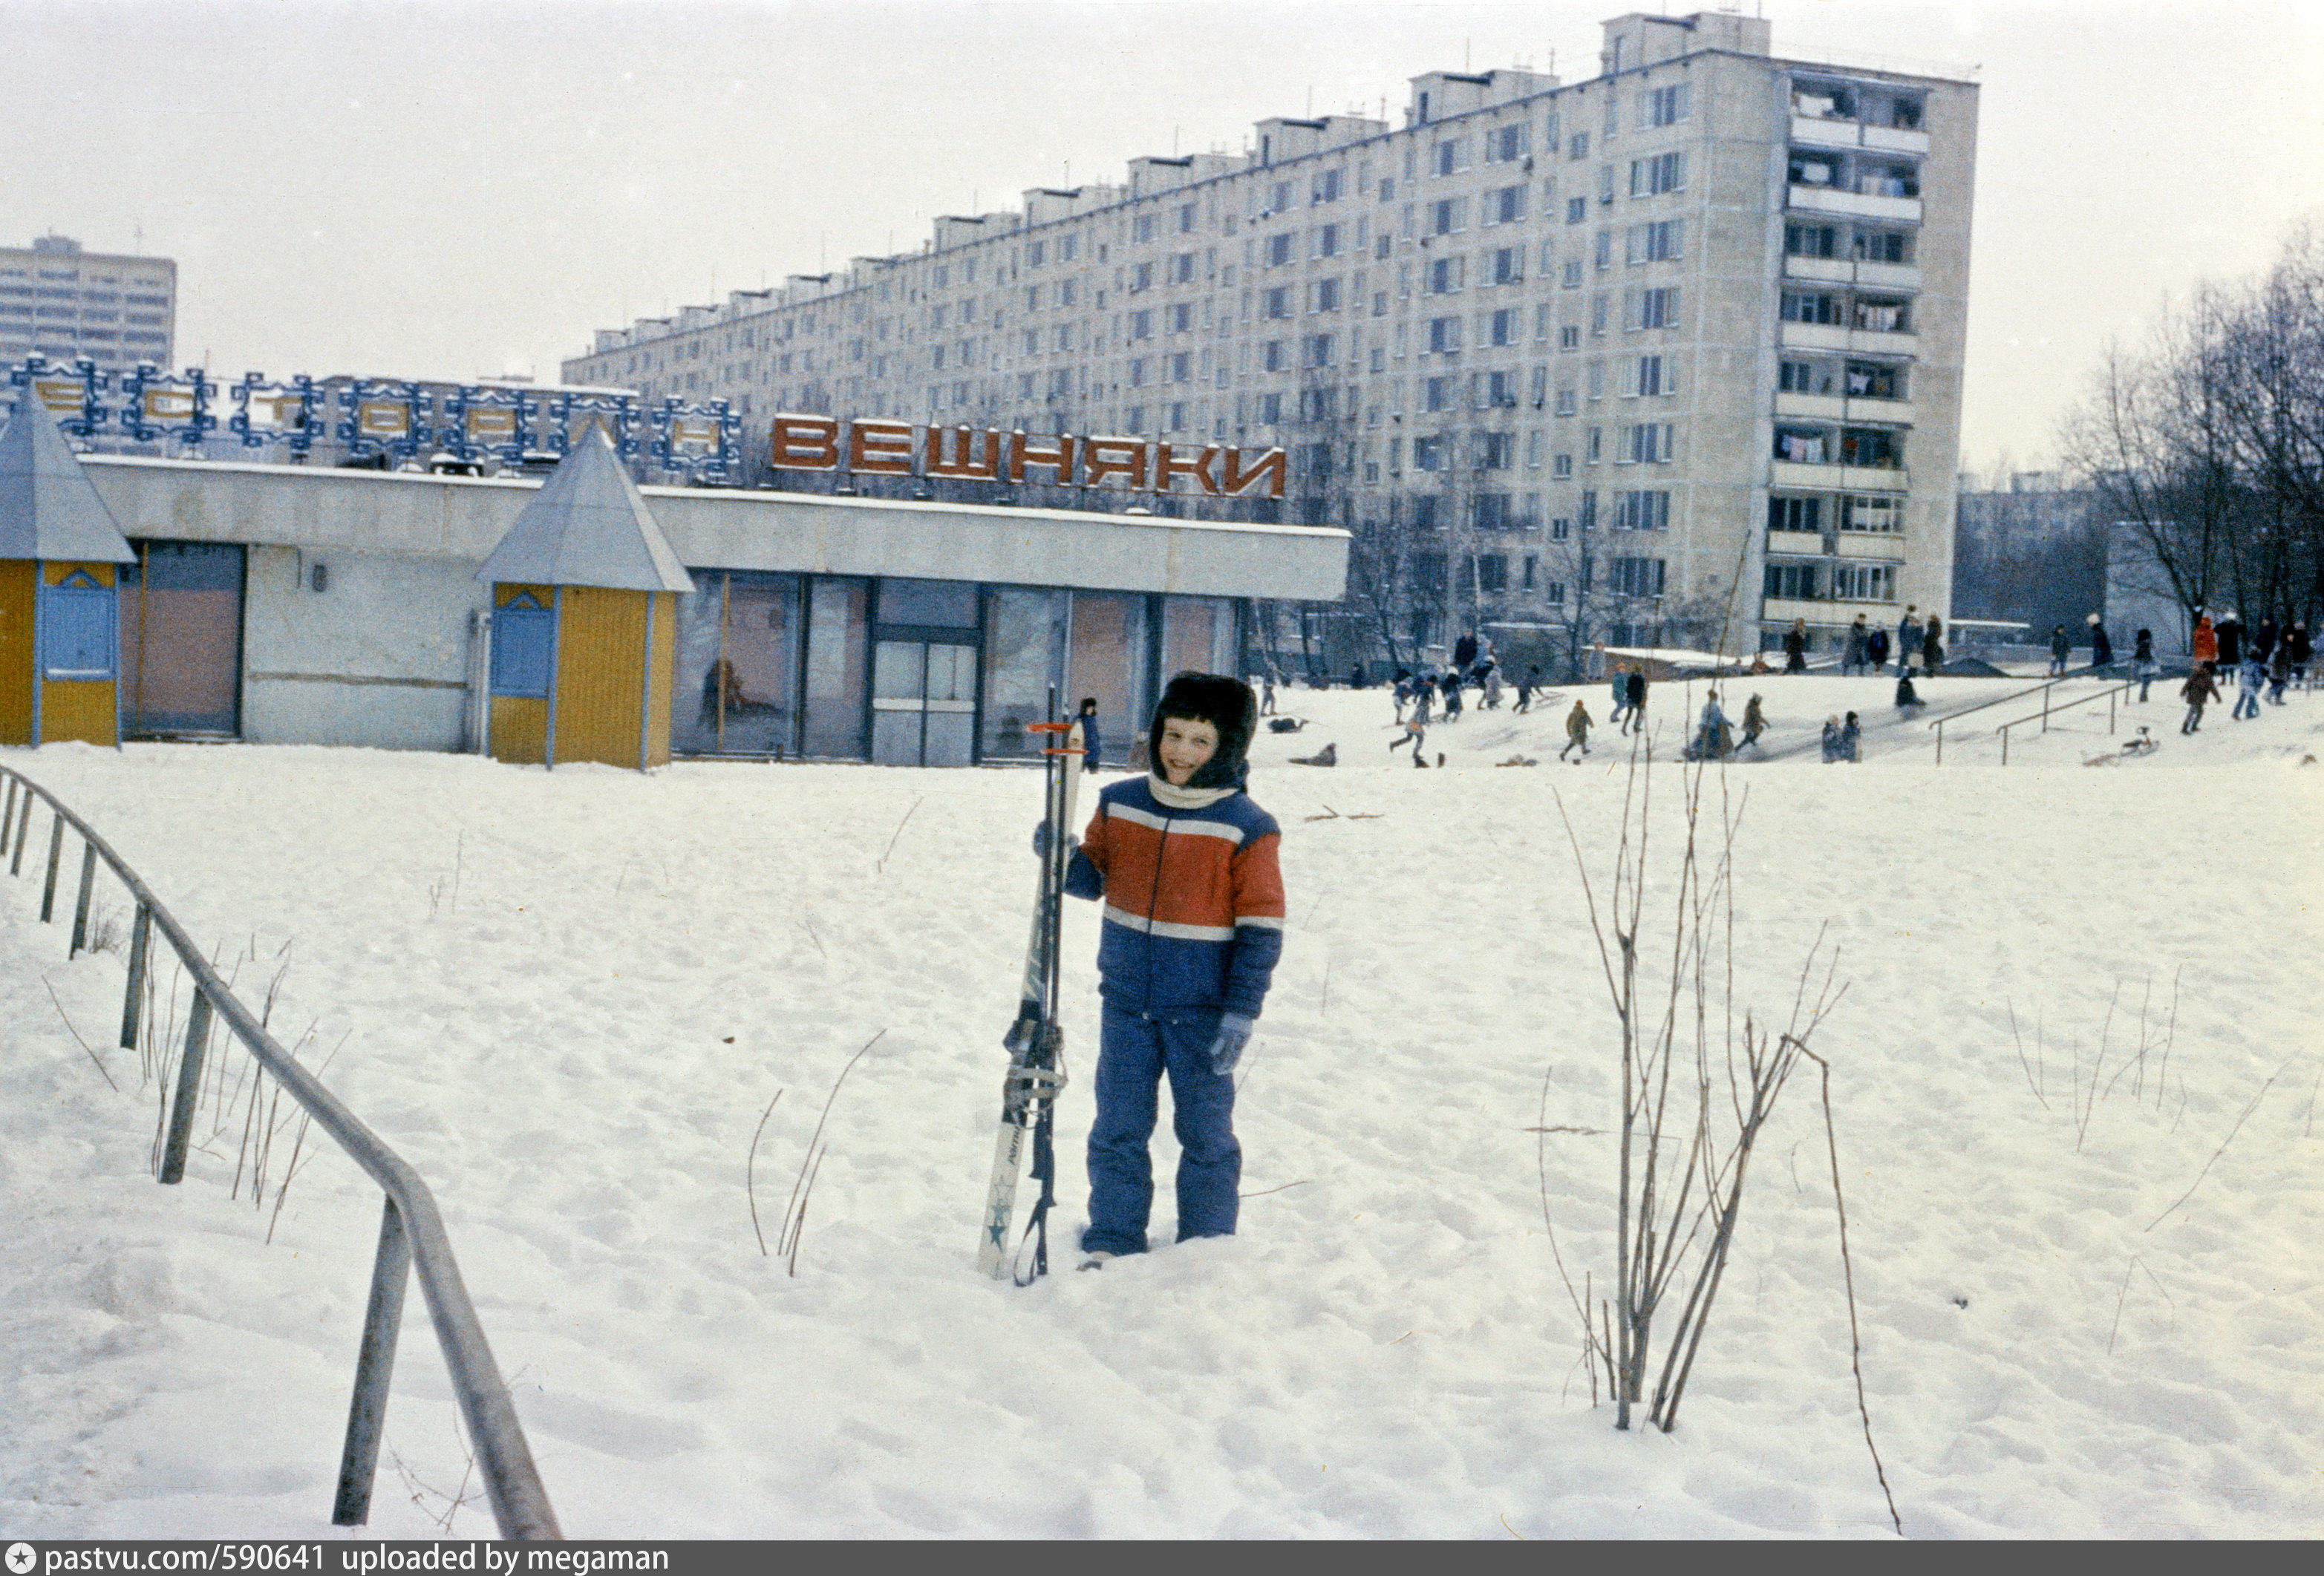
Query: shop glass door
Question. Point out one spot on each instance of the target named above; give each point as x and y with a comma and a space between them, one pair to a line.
923, 703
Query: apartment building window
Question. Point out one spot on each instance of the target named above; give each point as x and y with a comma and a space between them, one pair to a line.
1061, 383
1643, 443
1601, 251
1663, 172
1182, 366
936, 358
1327, 186
1501, 389
1871, 512
1565, 402
1796, 515
1327, 241
1437, 393
1655, 308
1444, 276
1792, 582
1445, 216
1651, 377
1273, 357
1318, 349
1036, 253
1275, 302
1065, 338
1560, 469
1875, 447
1278, 196
1032, 341
1506, 144
1642, 510
1270, 409
1501, 329
1883, 246
1533, 450
1444, 334
1185, 218
1663, 106
1143, 228
1605, 183
1591, 446
1279, 250
1569, 336
1380, 303
1884, 316
1872, 380
1497, 451
1571, 279
1801, 445
1141, 277
1811, 241
1382, 244
1577, 210
1578, 147
1509, 265
1451, 156
1182, 267
1663, 241
1505, 205
1629, 577
1864, 582
1179, 317
1492, 569
1428, 454
1805, 377
1068, 248
1138, 372
1597, 313
1327, 295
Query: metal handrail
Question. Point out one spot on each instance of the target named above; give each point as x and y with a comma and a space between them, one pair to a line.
2043, 716
412, 1231
2041, 688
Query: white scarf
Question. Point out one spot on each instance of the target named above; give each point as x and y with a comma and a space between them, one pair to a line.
1184, 798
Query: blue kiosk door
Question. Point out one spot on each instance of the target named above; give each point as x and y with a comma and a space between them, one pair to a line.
923, 703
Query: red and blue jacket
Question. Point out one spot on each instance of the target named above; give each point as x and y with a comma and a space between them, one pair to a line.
1193, 899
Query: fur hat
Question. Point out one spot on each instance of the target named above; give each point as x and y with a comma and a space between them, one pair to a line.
1228, 705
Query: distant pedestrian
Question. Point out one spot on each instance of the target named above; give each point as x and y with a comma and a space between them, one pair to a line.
2279, 673
1493, 689
1424, 694
1876, 651
2060, 648
1092, 737
2266, 638
2142, 661
1622, 695
1465, 652
1850, 735
1933, 646
1451, 686
2206, 640
2101, 648
1831, 740
2296, 641
1267, 693
2251, 678
1634, 695
1356, 676
2230, 630
1415, 734
1526, 687
1906, 696
2199, 690
1755, 722
1852, 655
1577, 731
1713, 741
1795, 647
1908, 638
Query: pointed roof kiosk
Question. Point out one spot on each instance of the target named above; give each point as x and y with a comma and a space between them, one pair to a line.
584, 620
60, 612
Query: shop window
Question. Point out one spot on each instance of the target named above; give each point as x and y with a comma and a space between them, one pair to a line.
523, 633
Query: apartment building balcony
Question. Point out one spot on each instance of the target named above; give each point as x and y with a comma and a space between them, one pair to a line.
1881, 546
1841, 271
1797, 544
1784, 609
1818, 132
1834, 408
1838, 478
1831, 199
1834, 336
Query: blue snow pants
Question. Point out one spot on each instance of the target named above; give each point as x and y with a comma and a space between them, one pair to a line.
1135, 1050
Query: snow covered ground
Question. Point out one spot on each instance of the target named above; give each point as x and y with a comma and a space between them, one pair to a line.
567, 998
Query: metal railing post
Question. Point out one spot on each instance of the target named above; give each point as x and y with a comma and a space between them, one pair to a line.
133, 1006
2004, 742
2045, 709
390, 1273
189, 1088
80, 903
56, 847
1941, 741
7, 814
23, 828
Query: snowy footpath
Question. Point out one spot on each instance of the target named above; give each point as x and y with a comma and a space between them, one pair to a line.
2075, 1079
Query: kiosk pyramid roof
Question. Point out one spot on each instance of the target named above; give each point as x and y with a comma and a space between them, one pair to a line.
49, 509
587, 525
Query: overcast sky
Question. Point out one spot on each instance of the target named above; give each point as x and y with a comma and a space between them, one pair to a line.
453, 189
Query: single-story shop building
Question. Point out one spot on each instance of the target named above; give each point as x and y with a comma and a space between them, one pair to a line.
289, 605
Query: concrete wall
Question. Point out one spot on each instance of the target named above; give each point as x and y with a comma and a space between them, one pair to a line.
377, 657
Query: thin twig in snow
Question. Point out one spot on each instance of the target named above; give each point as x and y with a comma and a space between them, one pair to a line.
92, 1056
882, 865
750, 1174
2222, 1149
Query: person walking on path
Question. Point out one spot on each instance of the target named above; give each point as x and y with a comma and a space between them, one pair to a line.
1622, 695
2206, 640
1876, 651
1451, 686
2142, 661
2279, 674
2101, 648
1634, 697
1933, 647
1526, 687
1852, 655
1577, 731
2199, 690
1092, 741
1755, 722
2296, 641
1850, 738
1267, 693
2251, 678
1908, 638
2230, 630
2059, 650
1712, 740
1187, 866
1795, 647
1415, 734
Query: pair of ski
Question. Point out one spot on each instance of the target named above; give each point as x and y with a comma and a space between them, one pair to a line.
1035, 1041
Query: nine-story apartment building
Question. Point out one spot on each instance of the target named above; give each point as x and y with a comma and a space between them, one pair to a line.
1670, 354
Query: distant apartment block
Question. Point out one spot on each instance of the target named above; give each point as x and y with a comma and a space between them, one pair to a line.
1671, 353
60, 301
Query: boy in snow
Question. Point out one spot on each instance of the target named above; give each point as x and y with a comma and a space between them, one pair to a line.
2250, 678
1089, 739
1577, 731
1193, 927
1755, 720
1621, 694
1633, 701
1851, 733
2198, 692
